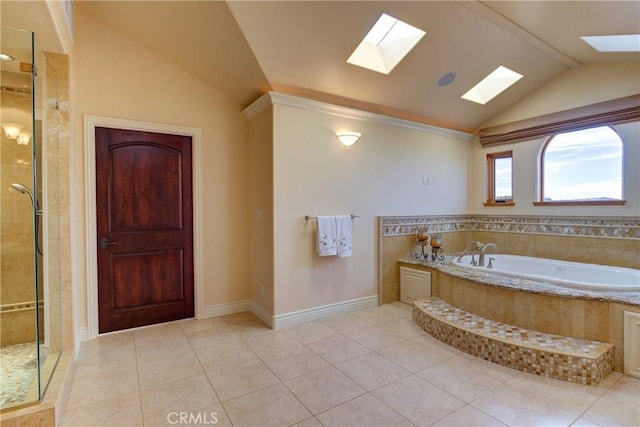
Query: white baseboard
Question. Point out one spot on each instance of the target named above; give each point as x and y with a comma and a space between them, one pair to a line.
262, 314
296, 317
226, 308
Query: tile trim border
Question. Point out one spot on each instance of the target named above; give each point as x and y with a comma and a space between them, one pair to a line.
604, 227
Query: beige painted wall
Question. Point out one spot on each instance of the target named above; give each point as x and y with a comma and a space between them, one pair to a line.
577, 87
114, 76
261, 251
382, 174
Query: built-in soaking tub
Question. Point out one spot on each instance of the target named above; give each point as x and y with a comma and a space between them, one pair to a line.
591, 277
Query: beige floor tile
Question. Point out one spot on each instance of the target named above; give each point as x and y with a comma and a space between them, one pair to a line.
217, 415
168, 370
417, 400
272, 406
239, 317
293, 363
323, 389
250, 328
243, 378
162, 349
574, 398
375, 338
214, 336
336, 350
272, 342
490, 369
92, 388
415, 356
513, 407
107, 361
309, 422
619, 406
583, 422
311, 332
459, 378
124, 410
229, 354
106, 345
193, 325
378, 316
365, 410
372, 371
346, 323
468, 416
165, 331
405, 328
188, 395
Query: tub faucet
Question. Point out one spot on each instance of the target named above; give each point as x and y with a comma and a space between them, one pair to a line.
473, 246
484, 248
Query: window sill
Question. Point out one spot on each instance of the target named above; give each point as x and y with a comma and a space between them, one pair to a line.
498, 204
583, 203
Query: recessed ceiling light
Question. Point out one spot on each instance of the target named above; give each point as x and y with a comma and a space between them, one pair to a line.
5, 57
614, 43
491, 86
385, 45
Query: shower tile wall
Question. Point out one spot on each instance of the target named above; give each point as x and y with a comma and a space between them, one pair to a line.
58, 203
16, 223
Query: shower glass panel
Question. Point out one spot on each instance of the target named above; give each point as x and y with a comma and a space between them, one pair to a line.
30, 334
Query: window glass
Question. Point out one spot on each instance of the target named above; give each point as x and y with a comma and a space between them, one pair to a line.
584, 165
503, 188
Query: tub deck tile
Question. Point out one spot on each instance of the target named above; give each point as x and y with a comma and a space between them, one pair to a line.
570, 359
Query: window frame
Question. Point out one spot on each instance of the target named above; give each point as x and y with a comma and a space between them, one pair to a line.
541, 202
491, 179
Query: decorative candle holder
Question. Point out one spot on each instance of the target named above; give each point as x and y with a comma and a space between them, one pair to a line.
437, 253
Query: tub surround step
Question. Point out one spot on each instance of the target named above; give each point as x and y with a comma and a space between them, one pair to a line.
554, 356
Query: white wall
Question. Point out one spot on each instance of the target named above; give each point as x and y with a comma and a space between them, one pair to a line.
382, 174
577, 87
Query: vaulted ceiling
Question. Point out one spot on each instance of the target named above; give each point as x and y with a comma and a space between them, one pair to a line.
244, 48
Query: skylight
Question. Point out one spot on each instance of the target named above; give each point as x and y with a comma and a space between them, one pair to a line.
615, 43
491, 86
385, 45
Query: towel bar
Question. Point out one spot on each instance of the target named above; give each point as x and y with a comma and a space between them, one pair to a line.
307, 217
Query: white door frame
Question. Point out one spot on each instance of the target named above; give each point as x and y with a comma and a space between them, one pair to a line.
90, 124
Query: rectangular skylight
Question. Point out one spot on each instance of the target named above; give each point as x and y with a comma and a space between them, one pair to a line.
491, 86
385, 45
615, 43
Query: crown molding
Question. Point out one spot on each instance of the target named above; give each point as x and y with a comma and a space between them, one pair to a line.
275, 98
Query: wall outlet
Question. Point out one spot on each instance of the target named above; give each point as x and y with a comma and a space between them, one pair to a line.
426, 180
262, 290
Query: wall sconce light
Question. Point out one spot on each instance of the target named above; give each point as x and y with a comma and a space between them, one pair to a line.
12, 130
348, 138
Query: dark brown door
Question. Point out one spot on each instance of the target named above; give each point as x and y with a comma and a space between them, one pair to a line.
144, 228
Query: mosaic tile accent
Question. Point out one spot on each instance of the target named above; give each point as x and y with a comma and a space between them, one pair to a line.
18, 374
628, 228
554, 356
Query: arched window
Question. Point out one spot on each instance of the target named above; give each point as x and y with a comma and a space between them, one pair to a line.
582, 167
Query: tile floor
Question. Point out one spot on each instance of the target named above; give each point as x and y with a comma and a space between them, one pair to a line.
369, 368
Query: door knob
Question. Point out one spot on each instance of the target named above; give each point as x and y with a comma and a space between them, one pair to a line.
104, 243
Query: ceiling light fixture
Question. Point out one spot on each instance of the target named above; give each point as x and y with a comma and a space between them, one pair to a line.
385, 45
348, 138
493, 85
5, 57
614, 43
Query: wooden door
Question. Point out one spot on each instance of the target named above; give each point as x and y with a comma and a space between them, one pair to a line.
144, 228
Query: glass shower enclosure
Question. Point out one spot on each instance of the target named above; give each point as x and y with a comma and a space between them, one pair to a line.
30, 326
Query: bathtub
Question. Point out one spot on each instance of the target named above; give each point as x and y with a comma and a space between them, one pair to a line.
565, 273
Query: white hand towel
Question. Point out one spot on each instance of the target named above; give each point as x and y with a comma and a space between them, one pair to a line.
326, 236
343, 230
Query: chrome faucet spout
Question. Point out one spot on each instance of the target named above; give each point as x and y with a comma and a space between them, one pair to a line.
483, 249
472, 246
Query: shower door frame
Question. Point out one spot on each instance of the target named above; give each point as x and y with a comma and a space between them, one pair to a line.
90, 123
